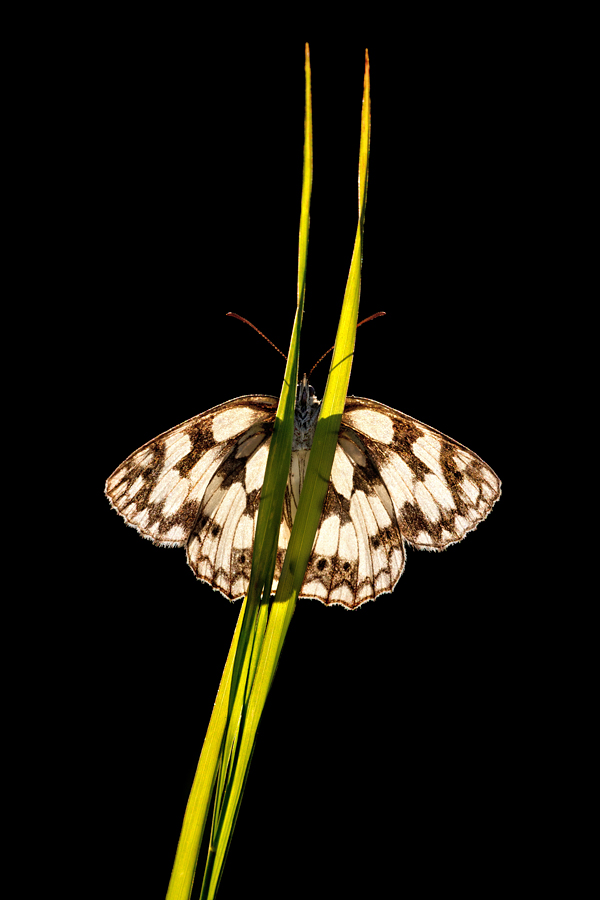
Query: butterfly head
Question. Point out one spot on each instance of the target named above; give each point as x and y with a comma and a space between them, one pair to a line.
306, 398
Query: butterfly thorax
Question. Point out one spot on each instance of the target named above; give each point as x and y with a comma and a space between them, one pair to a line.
306, 415
305, 422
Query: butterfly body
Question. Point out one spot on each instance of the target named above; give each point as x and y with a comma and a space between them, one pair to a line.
393, 480
306, 414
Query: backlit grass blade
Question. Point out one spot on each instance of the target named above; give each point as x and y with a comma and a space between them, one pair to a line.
259, 636
234, 764
317, 479
318, 470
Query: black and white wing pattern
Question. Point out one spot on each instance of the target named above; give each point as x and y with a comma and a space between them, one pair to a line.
393, 480
198, 485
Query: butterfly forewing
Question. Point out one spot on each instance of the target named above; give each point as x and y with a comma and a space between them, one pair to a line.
438, 488
171, 487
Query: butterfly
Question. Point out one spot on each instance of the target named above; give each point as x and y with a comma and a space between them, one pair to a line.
394, 481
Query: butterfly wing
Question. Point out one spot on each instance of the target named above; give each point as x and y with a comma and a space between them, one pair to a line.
440, 490
358, 551
197, 485
393, 479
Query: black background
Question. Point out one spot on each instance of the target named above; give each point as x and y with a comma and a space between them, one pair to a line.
394, 744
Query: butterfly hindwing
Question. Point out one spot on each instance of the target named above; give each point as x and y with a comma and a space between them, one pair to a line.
220, 546
359, 551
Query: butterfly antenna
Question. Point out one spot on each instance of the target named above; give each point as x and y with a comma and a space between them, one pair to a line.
242, 319
368, 319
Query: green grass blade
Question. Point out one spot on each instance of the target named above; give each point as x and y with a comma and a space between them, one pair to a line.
218, 757
320, 461
229, 744
198, 805
317, 479
248, 696
307, 178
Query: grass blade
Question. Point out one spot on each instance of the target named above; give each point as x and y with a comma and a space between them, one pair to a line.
261, 628
247, 696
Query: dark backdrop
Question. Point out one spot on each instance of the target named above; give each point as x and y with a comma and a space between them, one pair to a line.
388, 743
